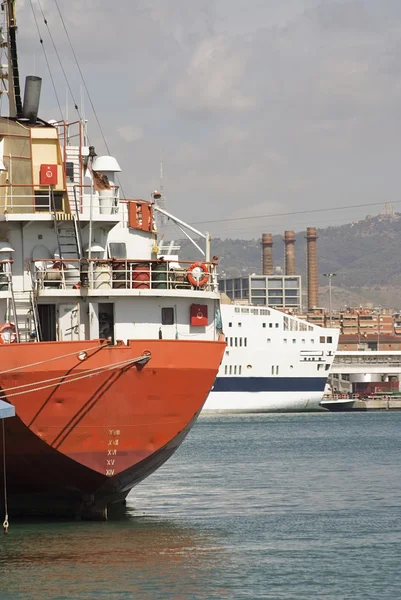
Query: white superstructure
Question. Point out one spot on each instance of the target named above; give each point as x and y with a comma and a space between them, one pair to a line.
273, 362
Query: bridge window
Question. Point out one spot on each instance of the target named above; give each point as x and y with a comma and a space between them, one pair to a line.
327, 367
69, 172
239, 324
294, 341
117, 250
269, 340
245, 341
329, 339
263, 324
225, 370
230, 324
45, 202
322, 339
303, 341
285, 340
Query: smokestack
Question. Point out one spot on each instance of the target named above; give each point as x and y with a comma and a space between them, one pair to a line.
311, 251
267, 254
289, 245
30, 108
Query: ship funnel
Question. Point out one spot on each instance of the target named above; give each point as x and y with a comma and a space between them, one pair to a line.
267, 254
30, 108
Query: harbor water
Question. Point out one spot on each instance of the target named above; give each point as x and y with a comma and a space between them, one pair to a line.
294, 506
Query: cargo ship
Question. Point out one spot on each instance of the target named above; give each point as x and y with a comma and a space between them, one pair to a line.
107, 350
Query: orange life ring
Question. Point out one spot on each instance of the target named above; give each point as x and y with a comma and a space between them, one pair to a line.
199, 283
8, 333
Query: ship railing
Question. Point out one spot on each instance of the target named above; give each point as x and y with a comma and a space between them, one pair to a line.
121, 274
339, 396
13, 200
83, 200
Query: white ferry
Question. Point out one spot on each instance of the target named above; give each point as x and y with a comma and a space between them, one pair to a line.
273, 362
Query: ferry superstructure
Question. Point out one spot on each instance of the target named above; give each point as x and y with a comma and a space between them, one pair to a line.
107, 351
274, 362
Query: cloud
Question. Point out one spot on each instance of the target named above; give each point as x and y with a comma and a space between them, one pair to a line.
212, 81
129, 133
300, 99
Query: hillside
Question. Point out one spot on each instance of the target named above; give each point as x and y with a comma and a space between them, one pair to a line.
365, 255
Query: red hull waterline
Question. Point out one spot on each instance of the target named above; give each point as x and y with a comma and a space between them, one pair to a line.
93, 420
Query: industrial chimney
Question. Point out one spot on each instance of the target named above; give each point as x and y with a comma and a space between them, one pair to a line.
289, 245
311, 251
267, 254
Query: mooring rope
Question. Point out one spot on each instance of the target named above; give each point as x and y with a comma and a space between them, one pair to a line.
5, 522
42, 362
71, 378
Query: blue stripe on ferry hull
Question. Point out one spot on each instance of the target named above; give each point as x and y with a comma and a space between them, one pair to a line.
269, 384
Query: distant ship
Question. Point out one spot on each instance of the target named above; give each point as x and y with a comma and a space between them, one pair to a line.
107, 351
273, 362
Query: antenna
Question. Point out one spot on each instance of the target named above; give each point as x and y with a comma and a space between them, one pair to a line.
82, 103
66, 104
162, 202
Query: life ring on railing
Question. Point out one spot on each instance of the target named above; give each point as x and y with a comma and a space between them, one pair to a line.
198, 282
8, 333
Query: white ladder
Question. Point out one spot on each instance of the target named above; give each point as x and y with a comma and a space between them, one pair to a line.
25, 316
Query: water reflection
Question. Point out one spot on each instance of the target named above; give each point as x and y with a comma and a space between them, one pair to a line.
130, 557
261, 507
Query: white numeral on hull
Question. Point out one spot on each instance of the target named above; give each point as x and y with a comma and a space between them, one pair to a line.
113, 441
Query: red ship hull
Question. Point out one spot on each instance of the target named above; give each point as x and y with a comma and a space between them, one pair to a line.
89, 427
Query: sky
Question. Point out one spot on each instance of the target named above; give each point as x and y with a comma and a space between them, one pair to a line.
257, 107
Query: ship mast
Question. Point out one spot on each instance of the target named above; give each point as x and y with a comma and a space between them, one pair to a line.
14, 90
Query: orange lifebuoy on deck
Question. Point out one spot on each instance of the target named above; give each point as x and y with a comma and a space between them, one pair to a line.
8, 333
198, 282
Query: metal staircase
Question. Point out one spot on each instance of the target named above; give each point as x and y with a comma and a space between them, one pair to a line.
25, 316
68, 239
